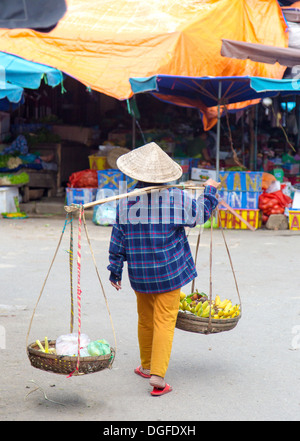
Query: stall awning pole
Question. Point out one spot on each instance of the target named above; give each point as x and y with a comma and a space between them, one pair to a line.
218, 132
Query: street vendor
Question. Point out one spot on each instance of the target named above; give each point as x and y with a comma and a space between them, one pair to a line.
149, 234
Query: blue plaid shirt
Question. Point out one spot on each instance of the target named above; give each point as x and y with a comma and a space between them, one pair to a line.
149, 234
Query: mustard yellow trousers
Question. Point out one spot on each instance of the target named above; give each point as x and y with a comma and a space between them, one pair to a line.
157, 315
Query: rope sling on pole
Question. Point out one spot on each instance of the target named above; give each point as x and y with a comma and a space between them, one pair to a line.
64, 364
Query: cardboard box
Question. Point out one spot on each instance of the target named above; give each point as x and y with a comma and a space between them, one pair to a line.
247, 200
80, 195
241, 181
111, 178
291, 169
203, 174
294, 219
83, 135
229, 221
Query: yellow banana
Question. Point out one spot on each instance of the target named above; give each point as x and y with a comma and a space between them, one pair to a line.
228, 307
223, 304
206, 312
199, 306
184, 305
205, 305
217, 300
182, 295
200, 312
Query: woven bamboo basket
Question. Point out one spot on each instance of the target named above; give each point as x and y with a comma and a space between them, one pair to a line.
191, 323
66, 365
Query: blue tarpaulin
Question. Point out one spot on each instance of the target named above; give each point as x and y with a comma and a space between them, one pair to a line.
10, 92
27, 74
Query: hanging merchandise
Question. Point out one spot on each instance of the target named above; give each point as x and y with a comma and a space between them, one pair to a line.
201, 313
74, 353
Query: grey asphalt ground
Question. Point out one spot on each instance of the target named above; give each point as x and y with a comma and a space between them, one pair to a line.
248, 374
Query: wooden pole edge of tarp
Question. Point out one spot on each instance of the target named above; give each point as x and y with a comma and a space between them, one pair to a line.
221, 202
75, 207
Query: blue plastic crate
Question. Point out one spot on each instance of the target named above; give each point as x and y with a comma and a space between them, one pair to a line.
241, 181
111, 178
247, 200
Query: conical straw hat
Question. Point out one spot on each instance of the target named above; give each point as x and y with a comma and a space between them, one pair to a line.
114, 155
149, 163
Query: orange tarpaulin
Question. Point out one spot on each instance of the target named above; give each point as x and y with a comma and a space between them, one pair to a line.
103, 43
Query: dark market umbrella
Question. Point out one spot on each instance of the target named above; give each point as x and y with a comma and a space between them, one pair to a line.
212, 92
39, 15
260, 53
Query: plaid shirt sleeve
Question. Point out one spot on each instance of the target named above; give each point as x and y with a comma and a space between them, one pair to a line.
200, 210
117, 252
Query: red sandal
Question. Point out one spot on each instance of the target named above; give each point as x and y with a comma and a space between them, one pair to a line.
158, 392
139, 372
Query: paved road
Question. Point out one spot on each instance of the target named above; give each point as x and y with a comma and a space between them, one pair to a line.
250, 373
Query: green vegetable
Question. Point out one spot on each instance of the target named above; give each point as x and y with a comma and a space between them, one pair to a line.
15, 179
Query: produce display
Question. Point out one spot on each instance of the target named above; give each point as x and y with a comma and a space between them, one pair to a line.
67, 345
14, 179
199, 305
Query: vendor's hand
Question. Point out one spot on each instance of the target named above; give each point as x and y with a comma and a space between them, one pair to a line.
212, 183
117, 285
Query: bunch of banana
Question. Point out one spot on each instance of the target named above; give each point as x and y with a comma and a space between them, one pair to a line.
199, 305
225, 309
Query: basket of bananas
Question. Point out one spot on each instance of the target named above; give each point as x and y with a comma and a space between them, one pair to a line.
197, 313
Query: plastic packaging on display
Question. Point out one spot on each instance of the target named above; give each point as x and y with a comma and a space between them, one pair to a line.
98, 348
68, 345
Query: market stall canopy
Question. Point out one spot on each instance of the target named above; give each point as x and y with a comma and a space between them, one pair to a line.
192, 91
208, 92
10, 92
104, 43
205, 93
261, 53
41, 15
27, 74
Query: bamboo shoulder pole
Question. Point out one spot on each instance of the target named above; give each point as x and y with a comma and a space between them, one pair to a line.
139, 192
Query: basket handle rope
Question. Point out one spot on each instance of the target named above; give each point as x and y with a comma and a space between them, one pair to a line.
211, 261
71, 254
49, 270
99, 278
79, 292
229, 256
81, 220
